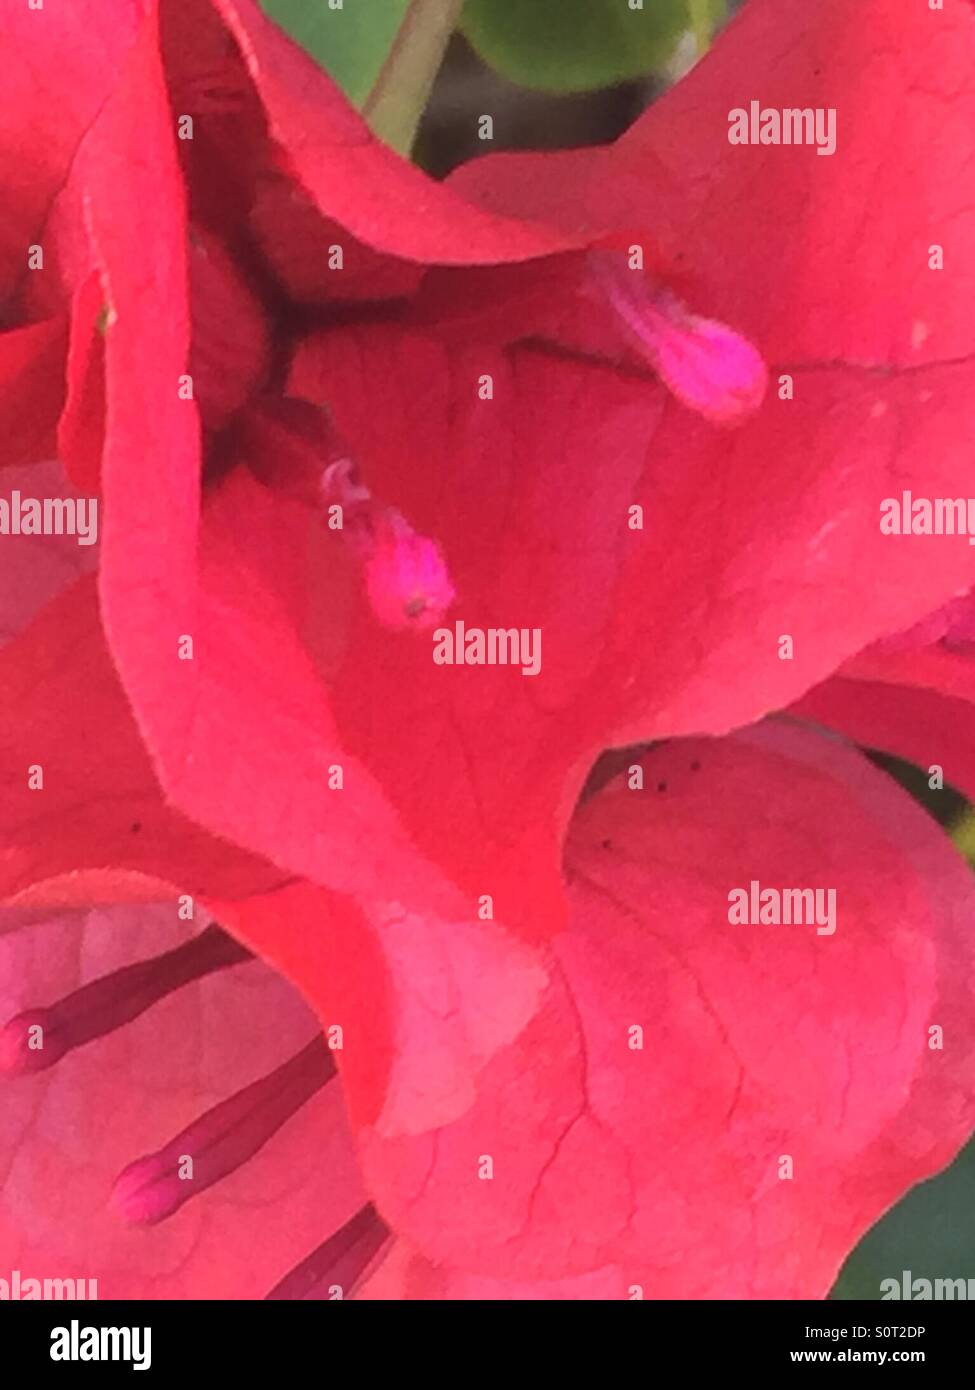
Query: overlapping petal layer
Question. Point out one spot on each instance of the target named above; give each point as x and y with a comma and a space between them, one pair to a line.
787, 1080
66, 1135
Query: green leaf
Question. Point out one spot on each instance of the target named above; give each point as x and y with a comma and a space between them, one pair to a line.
578, 45
351, 43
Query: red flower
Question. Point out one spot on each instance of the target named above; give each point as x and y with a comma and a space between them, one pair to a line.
507, 400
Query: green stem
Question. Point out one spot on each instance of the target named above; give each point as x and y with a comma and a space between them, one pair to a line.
704, 16
400, 93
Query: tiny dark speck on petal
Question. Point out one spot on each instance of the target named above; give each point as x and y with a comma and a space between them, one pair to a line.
695, 766
607, 844
136, 827
661, 786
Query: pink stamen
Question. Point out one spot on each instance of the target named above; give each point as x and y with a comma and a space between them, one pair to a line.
406, 576
340, 1262
707, 365
220, 1140
111, 1001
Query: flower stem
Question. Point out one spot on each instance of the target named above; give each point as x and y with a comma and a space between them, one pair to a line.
399, 96
704, 16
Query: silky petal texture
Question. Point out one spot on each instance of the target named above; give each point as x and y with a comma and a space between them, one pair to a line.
206, 719
58, 63
610, 1162
33, 390
671, 629
493, 759
249, 672
424, 1002
406, 1274
379, 197
66, 1134
100, 809
918, 704
702, 655
879, 346
37, 568
149, 591
150, 601
819, 260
